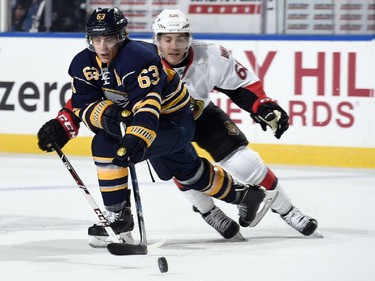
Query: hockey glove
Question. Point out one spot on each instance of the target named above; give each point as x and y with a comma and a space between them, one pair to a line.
270, 114
131, 149
113, 118
60, 130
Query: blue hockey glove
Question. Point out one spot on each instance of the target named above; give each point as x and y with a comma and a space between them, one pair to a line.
112, 118
131, 149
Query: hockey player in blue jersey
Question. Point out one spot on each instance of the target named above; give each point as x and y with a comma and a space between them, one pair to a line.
119, 81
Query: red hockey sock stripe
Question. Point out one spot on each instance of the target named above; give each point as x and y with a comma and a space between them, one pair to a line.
270, 180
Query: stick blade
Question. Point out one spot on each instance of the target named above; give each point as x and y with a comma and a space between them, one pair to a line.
120, 249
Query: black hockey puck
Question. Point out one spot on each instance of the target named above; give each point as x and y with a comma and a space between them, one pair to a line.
163, 264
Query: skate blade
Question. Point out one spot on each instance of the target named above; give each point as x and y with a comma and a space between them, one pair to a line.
237, 238
103, 241
265, 206
157, 244
316, 234
104, 244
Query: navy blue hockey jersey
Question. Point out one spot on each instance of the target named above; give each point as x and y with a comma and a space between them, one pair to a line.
135, 79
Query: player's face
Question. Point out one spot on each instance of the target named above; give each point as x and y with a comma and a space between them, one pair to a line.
106, 47
173, 46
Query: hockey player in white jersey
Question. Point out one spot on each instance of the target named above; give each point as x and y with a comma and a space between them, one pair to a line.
205, 67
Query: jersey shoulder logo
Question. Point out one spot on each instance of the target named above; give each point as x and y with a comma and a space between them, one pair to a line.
232, 128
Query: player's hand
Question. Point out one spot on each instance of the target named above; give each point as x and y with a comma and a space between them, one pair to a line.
270, 114
113, 118
131, 149
60, 130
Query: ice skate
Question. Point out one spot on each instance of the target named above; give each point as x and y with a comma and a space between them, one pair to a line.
254, 203
223, 224
122, 224
300, 222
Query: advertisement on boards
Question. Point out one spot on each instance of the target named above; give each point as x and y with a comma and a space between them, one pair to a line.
327, 89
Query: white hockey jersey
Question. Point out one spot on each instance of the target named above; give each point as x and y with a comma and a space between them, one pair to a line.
210, 66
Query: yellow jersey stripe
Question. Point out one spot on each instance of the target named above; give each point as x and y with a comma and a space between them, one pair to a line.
105, 173
217, 183
113, 188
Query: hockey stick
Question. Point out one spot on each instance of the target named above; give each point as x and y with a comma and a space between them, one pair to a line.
121, 249
86, 193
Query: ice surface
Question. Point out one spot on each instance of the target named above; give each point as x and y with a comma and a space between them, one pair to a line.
44, 220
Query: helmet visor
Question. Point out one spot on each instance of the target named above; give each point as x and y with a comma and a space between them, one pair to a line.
97, 42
